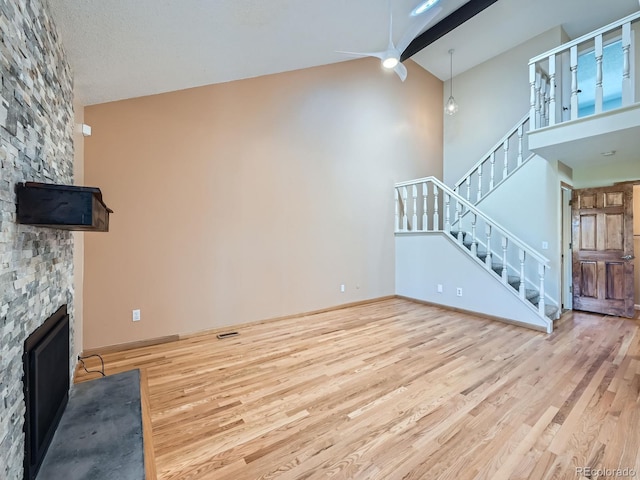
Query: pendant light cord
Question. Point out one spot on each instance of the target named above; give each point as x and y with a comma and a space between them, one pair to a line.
451, 72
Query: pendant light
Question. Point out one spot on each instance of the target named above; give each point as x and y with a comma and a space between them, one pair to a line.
451, 107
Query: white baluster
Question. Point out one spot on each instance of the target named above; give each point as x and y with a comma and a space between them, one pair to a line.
468, 182
447, 213
574, 82
487, 261
479, 194
414, 218
474, 240
436, 215
425, 218
459, 213
532, 97
599, 94
492, 161
552, 89
505, 243
543, 106
541, 309
405, 220
538, 103
627, 87
522, 289
397, 199
520, 143
505, 170
547, 86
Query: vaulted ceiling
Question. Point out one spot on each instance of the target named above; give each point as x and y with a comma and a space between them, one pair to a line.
123, 48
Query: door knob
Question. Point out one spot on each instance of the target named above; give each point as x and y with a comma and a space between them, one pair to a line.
627, 257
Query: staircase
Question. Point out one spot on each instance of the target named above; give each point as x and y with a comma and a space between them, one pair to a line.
428, 206
571, 101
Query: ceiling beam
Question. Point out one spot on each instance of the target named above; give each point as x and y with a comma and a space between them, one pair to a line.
444, 26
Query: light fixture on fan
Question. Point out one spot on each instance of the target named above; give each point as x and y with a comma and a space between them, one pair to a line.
391, 56
451, 106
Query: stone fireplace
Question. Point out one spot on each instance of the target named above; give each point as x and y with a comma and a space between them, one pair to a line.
36, 144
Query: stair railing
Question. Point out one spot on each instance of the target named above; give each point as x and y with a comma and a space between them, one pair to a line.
560, 67
428, 205
499, 163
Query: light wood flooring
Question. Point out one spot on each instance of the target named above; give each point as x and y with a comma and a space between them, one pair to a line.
394, 390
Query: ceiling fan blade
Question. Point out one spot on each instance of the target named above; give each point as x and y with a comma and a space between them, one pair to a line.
401, 70
416, 28
380, 55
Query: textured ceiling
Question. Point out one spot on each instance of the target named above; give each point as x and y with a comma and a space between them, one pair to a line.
125, 48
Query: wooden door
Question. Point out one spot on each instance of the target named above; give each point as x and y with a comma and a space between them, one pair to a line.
602, 224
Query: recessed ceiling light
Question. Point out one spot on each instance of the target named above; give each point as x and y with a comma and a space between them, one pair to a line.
608, 154
423, 7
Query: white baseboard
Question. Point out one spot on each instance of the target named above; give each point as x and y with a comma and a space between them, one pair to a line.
637, 307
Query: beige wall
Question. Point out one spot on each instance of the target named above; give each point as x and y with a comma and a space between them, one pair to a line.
252, 199
78, 237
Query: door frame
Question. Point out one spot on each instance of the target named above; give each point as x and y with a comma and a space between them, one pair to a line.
628, 218
566, 242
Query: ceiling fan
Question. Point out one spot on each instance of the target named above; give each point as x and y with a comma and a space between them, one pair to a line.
391, 56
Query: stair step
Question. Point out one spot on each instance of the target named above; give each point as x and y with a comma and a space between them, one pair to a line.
550, 311
497, 267
514, 281
531, 294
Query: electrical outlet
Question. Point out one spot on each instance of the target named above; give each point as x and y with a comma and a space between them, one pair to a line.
459, 291
135, 315
545, 245
439, 288
342, 288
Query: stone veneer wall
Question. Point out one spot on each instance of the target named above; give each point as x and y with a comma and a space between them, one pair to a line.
36, 144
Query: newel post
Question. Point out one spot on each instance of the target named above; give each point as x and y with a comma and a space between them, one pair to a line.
397, 200
533, 96
541, 309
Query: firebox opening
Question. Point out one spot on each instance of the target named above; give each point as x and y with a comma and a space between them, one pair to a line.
46, 386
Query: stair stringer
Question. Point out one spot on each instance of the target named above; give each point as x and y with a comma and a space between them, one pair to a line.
531, 185
424, 260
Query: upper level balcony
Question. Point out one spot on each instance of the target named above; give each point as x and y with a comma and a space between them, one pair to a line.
583, 97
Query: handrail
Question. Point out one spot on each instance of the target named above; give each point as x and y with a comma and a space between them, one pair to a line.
495, 147
586, 37
523, 245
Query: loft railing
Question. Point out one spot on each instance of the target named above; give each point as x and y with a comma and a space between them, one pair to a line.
427, 205
506, 156
555, 76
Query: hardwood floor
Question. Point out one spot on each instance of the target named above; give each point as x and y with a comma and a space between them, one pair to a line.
395, 390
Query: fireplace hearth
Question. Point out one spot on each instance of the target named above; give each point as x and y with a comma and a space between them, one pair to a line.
46, 386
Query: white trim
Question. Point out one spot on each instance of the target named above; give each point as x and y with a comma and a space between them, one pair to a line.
637, 307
